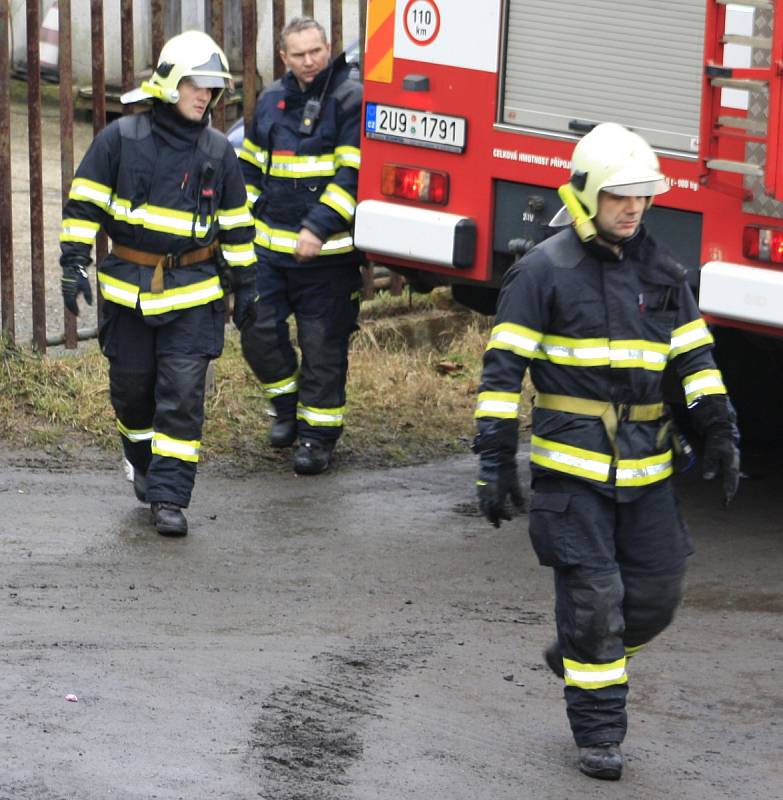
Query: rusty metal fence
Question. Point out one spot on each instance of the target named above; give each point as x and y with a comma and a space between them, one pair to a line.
218, 14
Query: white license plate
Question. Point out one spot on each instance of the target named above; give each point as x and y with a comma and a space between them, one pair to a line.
409, 126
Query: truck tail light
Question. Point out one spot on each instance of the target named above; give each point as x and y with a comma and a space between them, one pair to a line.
764, 244
415, 183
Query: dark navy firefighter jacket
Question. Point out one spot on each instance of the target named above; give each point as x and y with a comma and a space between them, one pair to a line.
598, 327
160, 184
309, 180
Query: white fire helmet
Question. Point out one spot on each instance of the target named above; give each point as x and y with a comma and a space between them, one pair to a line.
613, 159
192, 54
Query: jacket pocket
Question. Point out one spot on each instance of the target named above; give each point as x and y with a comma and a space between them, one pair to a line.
552, 530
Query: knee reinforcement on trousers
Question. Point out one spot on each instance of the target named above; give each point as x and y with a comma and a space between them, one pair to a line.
595, 611
132, 396
649, 606
267, 356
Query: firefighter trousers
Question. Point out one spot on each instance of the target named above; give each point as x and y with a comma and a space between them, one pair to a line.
157, 377
619, 570
325, 304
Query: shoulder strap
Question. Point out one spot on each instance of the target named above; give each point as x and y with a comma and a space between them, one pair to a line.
563, 250
348, 93
212, 143
135, 126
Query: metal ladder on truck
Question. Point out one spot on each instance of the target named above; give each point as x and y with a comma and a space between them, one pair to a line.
766, 84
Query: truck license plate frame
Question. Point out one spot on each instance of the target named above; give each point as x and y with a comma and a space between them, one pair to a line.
415, 127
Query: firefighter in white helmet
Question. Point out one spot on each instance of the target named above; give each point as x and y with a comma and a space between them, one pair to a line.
597, 312
168, 191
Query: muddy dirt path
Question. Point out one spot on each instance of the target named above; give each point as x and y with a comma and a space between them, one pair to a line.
355, 636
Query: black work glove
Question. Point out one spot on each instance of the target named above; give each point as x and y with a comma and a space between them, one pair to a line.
73, 283
722, 457
244, 305
493, 495
716, 421
497, 481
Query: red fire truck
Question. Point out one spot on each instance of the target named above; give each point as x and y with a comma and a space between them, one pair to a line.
472, 110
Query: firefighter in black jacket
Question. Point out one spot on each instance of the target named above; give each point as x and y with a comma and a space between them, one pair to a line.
168, 191
597, 312
300, 160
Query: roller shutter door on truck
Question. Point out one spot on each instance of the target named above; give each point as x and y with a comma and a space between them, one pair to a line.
639, 64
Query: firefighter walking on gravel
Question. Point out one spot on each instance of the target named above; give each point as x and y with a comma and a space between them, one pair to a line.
597, 312
168, 191
300, 159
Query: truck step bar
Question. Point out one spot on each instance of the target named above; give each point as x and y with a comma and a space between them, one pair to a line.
767, 5
741, 167
759, 42
723, 138
749, 125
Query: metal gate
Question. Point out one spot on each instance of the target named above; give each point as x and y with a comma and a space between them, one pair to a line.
232, 20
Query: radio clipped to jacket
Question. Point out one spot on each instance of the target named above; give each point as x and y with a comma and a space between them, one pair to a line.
312, 111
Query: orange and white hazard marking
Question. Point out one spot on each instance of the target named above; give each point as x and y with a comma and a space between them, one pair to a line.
379, 48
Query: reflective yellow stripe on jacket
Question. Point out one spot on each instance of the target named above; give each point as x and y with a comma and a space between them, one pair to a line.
689, 337
127, 294
238, 255
79, 230
503, 405
571, 460
706, 381
525, 342
287, 165
253, 154
120, 292
341, 201
620, 353
596, 466
92, 192
158, 218
196, 294
284, 241
347, 156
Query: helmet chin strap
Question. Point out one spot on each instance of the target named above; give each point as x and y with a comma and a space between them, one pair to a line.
616, 243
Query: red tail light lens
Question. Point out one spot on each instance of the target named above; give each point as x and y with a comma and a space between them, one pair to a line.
415, 183
763, 244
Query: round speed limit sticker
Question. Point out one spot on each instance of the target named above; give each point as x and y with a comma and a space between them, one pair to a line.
422, 21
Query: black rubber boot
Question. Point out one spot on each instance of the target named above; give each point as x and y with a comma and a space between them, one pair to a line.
604, 761
168, 519
140, 486
283, 432
554, 659
312, 458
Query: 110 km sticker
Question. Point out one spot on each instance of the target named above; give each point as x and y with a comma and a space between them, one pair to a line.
422, 21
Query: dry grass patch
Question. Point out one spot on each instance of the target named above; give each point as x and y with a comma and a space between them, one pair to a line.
406, 402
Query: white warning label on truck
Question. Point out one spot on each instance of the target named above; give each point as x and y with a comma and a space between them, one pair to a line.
455, 33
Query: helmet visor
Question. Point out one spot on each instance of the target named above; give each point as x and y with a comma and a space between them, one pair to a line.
207, 81
640, 189
212, 74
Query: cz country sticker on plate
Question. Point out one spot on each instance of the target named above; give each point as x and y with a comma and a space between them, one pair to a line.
411, 126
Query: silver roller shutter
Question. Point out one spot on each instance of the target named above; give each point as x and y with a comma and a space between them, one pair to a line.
636, 63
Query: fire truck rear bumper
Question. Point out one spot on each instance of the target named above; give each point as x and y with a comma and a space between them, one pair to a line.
415, 234
741, 292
